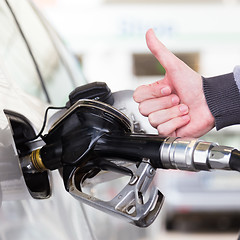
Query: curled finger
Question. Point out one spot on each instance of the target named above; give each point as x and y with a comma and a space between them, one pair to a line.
161, 116
156, 104
169, 127
154, 90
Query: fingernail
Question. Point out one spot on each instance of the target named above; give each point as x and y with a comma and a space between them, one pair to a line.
175, 100
183, 108
165, 91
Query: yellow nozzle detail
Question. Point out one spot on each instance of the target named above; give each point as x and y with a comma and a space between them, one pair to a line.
37, 161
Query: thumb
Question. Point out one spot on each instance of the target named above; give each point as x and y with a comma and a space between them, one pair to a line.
163, 55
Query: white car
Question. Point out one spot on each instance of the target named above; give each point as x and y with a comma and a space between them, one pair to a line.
36, 70
34, 65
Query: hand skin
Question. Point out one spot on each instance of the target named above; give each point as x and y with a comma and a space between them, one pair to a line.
180, 89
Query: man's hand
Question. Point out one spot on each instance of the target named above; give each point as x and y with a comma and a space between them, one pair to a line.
175, 105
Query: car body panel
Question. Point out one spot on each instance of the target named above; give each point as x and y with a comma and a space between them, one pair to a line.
21, 216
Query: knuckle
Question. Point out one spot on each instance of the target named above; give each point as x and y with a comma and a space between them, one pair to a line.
141, 108
163, 131
152, 120
136, 96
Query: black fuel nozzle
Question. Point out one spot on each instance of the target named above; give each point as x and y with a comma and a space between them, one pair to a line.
93, 136
72, 139
91, 130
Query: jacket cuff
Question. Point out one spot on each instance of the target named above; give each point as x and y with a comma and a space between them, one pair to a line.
223, 99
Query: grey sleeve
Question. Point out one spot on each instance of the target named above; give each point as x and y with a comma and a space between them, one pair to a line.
223, 98
236, 74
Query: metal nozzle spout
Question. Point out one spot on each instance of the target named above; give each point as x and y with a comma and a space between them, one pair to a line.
33, 163
37, 161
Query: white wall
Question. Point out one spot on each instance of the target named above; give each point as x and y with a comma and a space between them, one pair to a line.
106, 36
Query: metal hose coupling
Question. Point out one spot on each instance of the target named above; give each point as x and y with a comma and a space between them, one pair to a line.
33, 162
36, 160
194, 154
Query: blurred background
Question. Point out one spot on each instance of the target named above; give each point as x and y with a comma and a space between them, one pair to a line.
108, 39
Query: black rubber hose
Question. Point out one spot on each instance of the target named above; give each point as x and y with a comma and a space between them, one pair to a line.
132, 147
235, 160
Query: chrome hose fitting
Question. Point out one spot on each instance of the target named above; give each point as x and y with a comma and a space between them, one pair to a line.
194, 154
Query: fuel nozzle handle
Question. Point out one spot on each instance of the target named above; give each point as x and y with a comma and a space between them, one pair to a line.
195, 155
